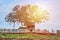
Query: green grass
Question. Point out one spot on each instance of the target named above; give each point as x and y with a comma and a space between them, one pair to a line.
27, 36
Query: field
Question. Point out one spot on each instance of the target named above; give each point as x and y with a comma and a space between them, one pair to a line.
32, 36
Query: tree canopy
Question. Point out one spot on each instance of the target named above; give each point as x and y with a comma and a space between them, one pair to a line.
27, 13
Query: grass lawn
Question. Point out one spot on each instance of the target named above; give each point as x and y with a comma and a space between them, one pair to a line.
27, 36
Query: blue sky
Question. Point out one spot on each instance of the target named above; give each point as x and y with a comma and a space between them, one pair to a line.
53, 6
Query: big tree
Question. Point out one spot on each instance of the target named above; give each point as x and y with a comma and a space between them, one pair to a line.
27, 15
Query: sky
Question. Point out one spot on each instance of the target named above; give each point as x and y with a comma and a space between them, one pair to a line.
53, 7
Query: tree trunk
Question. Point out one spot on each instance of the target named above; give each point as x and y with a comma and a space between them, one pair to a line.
30, 26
